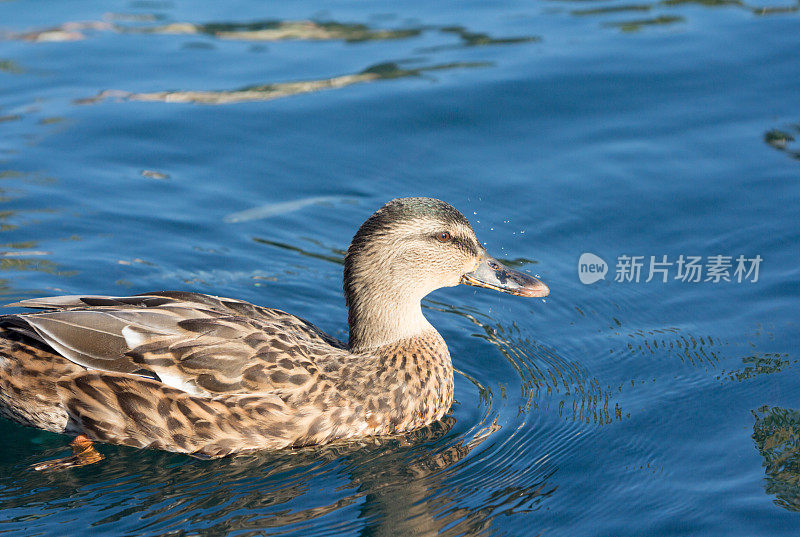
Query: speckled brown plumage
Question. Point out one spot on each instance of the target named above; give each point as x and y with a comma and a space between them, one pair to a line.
211, 376
247, 373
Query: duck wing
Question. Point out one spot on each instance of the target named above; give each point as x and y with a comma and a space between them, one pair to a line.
197, 343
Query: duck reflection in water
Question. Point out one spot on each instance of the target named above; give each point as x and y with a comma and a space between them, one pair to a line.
398, 486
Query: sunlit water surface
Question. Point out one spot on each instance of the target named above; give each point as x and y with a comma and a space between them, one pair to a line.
233, 148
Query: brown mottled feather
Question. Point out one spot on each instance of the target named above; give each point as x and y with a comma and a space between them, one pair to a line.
209, 376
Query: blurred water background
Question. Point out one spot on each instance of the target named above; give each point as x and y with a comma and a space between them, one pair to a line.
233, 148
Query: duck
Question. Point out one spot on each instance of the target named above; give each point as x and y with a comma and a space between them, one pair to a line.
209, 376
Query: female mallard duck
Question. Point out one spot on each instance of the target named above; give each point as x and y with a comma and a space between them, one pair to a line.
210, 376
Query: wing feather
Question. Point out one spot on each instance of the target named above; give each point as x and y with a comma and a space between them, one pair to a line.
201, 344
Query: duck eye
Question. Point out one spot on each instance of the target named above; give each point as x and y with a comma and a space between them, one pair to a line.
444, 236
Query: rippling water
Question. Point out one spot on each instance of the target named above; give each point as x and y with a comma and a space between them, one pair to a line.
234, 148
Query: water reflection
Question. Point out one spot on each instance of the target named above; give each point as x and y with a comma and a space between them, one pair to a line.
477, 39
399, 486
633, 25
611, 9
281, 208
690, 349
25, 255
784, 140
273, 30
758, 364
69, 31
10, 67
776, 433
260, 30
335, 255
638, 24
268, 92
276, 30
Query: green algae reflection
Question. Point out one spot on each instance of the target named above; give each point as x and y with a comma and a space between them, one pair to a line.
776, 433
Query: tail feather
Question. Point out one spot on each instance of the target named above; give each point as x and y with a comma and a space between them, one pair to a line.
28, 371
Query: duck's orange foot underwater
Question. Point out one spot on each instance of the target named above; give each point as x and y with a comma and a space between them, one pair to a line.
83, 454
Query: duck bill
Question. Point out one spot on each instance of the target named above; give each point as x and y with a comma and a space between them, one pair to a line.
494, 275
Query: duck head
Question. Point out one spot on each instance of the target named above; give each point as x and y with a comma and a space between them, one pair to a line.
406, 249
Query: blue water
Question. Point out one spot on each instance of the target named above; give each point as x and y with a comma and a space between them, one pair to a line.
144, 148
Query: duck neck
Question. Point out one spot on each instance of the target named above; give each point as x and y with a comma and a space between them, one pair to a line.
384, 317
